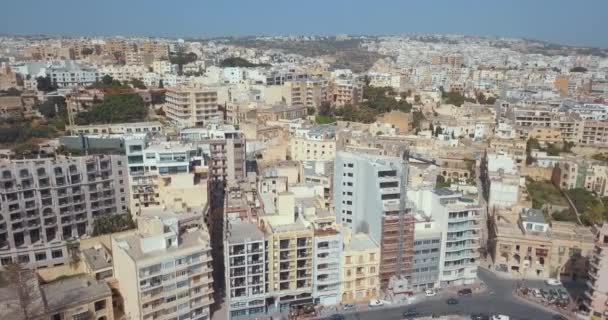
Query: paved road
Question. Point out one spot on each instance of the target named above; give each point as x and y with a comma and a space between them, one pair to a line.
497, 299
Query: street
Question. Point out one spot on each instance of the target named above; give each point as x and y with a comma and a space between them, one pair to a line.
497, 299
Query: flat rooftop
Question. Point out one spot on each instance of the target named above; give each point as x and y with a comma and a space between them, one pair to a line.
74, 291
361, 242
243, 231
97, 258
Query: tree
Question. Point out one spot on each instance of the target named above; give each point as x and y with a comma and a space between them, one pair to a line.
136, 83
325, 109
113, 223
23, 284
86, 51
161, 84
311, 111
240, 62
579, 69
115, 109
107, 80
13, 92
54, 107
438, 131
45, 84
491, 100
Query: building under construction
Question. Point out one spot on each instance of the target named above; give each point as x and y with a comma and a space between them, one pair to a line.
370, 197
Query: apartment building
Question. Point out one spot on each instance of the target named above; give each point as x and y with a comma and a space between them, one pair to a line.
170, 173
379, 211
116, 128
245, 269
552, 124
427, 254
500, 179
327, 250
290, 256
574, 172
345, 91
225, 148
306, 92
595, 299
49, 203
533, 247
191, 106
594, 132
314, 143
360, 268
165, 269
68, 73
460, 221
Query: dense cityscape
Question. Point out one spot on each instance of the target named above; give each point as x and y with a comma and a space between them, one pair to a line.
302, 177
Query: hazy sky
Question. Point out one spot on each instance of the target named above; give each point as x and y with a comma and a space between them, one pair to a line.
579, 22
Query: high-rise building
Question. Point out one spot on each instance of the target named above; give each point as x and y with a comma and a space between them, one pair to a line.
191, 106
164, 270
48, 203
370, 197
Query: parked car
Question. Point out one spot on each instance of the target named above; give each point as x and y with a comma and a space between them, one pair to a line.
480, 316
430, 293
452, 301
544, 293
553, 282
500, 317
376, 303
536, 293
410, 313
563, 294
349, 306
465, 292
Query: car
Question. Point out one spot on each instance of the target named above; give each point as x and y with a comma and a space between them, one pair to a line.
553, 282
480, 316
430, 293
465, 292
452, 301
336, 316
410, 313
563, 294
376, 303
536, 293
349, 306
544, 293
500, 317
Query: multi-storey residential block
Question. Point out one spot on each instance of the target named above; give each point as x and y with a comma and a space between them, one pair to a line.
158, 170
116, 128
48, 203
315, 143
427, 254
595, 298
345, 91
191, 106
309, 92
327, 250
575, 172
245, 263
500, 178
369, 197
360, 268
459, 220
290, 256
165, 269
68, 73
78, 297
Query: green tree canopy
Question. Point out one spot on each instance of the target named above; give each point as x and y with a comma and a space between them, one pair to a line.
115, 109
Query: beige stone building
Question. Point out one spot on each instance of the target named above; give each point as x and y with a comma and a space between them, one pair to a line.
360, 268
534, 248
191, 106
315, 143
164, 270
595, 298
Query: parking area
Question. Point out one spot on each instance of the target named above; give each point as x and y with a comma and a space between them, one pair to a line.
555, 297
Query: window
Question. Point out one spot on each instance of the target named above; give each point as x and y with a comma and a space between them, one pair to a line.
82, 316
40, 256
100, 305
56, 254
